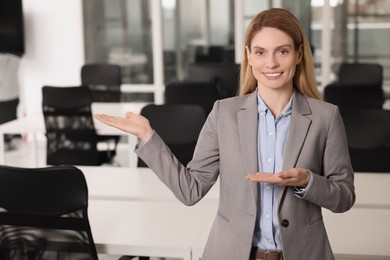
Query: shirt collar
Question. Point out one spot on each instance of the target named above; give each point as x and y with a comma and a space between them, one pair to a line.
262, 107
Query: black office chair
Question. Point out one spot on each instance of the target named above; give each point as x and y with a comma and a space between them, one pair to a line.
225, 75
214, 54
104, 80
44, 214
178, 125
368, 133
192, 93
364, 74
350, 96
70, 130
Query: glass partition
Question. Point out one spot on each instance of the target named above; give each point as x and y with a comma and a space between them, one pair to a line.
360, 30
121, 32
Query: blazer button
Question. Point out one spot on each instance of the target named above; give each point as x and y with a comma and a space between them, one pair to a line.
285, 223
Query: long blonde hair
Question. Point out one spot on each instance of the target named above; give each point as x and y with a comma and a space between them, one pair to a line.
304, 80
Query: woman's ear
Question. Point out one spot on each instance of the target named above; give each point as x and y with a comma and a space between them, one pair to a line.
299, 54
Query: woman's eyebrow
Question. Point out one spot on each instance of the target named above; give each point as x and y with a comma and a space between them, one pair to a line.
277, 47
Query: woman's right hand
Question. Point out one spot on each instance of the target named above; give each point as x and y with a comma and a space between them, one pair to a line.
130, 123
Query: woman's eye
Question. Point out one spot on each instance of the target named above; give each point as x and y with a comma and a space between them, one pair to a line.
283, 52
259, 53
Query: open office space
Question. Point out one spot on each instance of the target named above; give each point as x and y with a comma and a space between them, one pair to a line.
131, 55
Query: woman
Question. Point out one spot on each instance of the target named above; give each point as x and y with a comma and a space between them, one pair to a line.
280, 153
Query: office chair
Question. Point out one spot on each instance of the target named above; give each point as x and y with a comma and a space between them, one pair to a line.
192, 93
365, 74
368, 134
351, 96
178, 125
214, 54
104, 80
225, 75
70, 130
44, 214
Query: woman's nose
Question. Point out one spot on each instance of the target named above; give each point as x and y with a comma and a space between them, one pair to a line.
272, 62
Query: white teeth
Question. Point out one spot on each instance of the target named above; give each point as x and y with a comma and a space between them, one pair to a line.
272, 74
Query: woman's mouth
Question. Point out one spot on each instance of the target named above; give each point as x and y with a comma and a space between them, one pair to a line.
273, 75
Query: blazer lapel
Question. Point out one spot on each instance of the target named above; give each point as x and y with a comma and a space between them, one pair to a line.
299, 128
247, 127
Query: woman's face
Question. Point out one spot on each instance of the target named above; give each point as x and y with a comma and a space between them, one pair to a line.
273, 58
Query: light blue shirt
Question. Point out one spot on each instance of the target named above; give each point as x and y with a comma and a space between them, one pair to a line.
272, 140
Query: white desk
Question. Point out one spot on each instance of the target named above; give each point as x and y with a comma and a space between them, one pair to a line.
200, 241
159, 229
135, 184
36, 125
360, 232
133, 213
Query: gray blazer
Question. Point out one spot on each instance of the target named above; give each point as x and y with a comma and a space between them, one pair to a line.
227, 148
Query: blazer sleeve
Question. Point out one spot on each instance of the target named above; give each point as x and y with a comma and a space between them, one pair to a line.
189, 184
334, 188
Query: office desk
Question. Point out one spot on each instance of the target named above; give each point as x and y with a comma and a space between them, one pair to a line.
360, 232
36, 125
159, 229
135, 184
133, 213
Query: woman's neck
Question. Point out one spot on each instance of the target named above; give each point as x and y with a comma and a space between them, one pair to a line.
275, 99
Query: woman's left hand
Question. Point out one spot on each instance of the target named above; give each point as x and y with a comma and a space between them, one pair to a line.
297, 177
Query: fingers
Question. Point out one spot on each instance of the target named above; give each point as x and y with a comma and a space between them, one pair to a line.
102, 117
292, 177
264, 177
295, 177
107, 119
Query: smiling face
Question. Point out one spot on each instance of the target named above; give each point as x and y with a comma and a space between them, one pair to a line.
273, 59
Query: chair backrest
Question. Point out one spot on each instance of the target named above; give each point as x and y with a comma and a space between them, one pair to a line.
104, 80
70, 131
192, 93
225, 75
350, 96
44, 214
368, 134
178, 125
8, 110
214, 54
365, 74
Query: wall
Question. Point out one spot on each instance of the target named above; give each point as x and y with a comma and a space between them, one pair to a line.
54, 49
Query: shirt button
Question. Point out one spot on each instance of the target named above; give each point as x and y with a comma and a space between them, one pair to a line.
262, 113
267, 216
271, 133
270, 241
267, 187
269, 160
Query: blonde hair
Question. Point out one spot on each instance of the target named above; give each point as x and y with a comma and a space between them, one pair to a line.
304, 79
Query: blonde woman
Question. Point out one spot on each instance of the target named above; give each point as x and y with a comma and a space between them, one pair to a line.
280, 152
